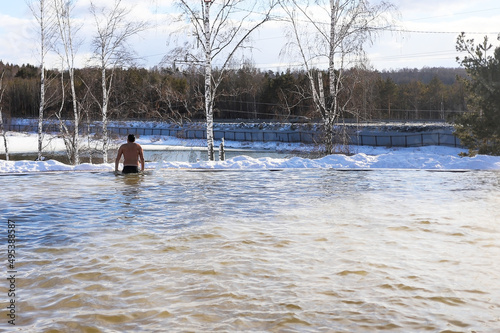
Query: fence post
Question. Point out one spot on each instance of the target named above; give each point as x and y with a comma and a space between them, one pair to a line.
222, 153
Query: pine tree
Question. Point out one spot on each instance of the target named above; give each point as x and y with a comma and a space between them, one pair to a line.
479, 129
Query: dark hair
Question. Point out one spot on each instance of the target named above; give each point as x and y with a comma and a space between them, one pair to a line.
131, 138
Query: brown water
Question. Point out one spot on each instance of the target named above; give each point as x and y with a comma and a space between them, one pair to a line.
289, 251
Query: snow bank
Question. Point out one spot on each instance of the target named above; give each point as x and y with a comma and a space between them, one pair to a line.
422, 158
364, 157
28, 143
51, 165
406, 158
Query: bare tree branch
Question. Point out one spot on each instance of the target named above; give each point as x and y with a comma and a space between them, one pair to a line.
67, 30
351, 23
219, 40
111, 51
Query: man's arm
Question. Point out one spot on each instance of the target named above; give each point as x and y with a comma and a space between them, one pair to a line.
141, 157
118, 157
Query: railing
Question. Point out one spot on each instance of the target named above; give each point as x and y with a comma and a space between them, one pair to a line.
366, 139
407, 140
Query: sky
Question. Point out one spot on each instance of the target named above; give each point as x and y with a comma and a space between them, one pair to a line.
425, 37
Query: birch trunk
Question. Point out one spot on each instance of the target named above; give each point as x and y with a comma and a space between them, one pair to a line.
76, 114
326, 115
65, 24
332, 44
105, 99
42, 81
63, 129
88, 136
41, 12
2, 128
332, 111
41, 109
208, 83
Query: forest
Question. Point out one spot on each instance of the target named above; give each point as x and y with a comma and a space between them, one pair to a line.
176, 95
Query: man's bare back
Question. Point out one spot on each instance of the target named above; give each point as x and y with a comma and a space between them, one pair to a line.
132, 154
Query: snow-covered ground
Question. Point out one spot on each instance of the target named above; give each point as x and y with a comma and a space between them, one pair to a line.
364, 157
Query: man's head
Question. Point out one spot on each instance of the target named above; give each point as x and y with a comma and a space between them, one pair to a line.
131, 138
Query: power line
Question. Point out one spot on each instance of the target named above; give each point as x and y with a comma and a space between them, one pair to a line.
441, 32
409, 31
455, 14
389, 29
419, 55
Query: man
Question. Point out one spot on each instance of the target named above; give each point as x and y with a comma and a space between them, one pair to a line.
132, 154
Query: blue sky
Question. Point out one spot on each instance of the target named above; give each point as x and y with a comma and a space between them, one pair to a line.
13, 8
432, 28
429, 31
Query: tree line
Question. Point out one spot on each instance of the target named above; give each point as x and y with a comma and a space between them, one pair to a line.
173, 95
113, 88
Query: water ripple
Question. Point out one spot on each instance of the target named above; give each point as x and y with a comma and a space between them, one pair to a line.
294, 251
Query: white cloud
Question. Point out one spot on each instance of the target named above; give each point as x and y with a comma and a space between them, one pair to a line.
391, 50
442, 20
16, 39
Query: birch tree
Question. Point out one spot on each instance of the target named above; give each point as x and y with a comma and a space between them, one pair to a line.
332, 33
66, 132
68, 47
111, 51
2, 128
42, 13
219, 29
63, 128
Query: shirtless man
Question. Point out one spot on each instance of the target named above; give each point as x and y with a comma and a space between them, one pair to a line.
132, 154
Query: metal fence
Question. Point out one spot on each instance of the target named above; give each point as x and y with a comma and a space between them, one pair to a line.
407, 140
265, 135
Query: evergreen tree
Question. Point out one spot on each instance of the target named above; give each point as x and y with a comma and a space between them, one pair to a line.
479, 129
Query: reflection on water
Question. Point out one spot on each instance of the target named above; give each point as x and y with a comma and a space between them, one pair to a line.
198, 154
305, 251
170, 154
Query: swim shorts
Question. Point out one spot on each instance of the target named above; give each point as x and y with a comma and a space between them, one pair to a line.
130, 169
